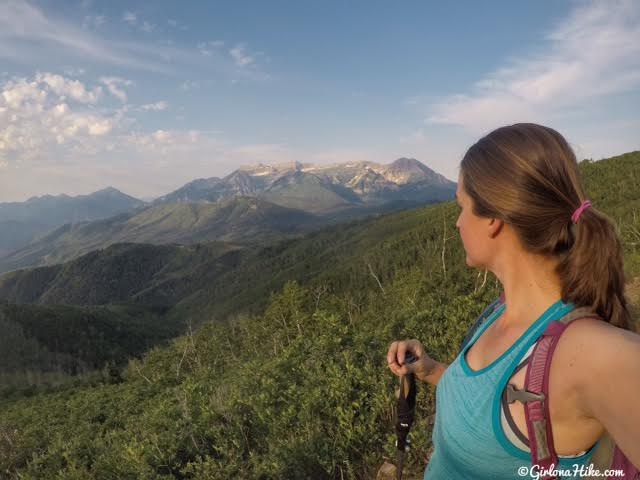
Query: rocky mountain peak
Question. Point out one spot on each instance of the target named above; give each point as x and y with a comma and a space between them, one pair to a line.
406, 164
261, 169
409, 170
240, 182
111, 191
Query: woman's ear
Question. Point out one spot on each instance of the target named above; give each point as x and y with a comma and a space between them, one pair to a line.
495, 227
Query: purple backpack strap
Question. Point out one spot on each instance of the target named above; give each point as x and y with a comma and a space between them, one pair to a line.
536, 386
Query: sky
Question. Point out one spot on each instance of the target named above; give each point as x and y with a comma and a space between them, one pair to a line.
147, 96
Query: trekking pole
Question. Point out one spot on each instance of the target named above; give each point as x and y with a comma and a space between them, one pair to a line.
405, 409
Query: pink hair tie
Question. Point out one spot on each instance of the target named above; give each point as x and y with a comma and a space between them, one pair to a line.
583, 206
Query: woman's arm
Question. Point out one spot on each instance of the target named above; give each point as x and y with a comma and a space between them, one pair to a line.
433, 377
606, 375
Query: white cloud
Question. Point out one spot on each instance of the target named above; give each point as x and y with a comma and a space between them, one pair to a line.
93, 21
209, 48
59, 134
188, 85
130, 18
113, 85
28, 36
18, 92
157, 106
98, 127
161, 136
240, 56
171, 145
47, 111
65, 87
147, 27
134, 21
593, 53
49, 144
175, 24
31, 36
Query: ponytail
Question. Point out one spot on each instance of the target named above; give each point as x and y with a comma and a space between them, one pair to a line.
592, 270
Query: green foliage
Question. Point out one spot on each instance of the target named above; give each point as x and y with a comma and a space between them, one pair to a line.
613, 186
46, 345
302, 391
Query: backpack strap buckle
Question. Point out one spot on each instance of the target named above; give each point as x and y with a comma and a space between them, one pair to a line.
523, 395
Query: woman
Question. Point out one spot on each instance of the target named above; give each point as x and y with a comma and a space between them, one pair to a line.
525, 218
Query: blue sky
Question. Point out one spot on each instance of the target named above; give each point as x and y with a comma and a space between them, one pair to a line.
146, 96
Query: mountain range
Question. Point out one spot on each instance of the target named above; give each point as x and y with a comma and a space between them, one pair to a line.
253, 205
241, 219
323, 189
22, 222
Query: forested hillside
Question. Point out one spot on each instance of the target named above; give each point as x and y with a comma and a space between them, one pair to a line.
53, 345
239, 219
289, 384
159, 275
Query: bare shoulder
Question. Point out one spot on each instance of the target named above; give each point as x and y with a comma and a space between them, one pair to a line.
589, 345
591, 352
594, 338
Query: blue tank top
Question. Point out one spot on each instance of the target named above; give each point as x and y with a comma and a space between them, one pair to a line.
468, 439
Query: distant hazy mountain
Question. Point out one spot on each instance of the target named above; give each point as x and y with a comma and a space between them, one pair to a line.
239, 219
22, 222
323, 189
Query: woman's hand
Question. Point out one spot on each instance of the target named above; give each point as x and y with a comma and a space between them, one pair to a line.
422, 367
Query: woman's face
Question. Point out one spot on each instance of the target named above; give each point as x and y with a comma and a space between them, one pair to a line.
473, 229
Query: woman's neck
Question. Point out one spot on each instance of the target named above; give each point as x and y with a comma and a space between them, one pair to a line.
530, 286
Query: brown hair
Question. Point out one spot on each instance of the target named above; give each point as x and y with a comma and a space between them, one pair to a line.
527, 175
